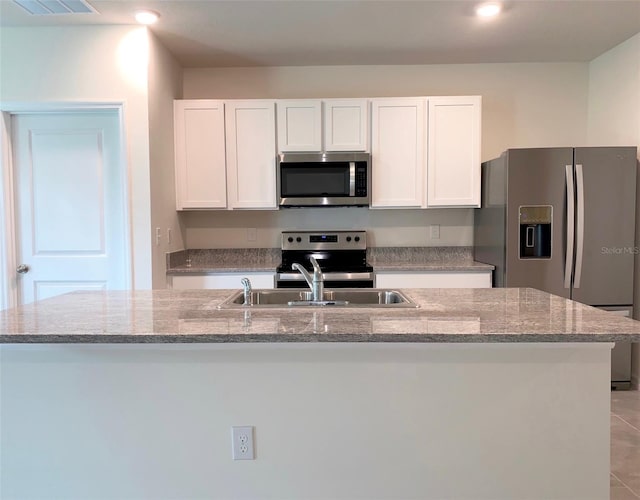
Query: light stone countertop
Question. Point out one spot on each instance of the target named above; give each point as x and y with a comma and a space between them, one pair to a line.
383, 259
416, 259
223, 260
507, 315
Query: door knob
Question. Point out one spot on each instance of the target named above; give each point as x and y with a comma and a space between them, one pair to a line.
22, 269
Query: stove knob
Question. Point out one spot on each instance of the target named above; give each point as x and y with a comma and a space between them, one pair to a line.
357, 238
290, 239
298, 239
348, 238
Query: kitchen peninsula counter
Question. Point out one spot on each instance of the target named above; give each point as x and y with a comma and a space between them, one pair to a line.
506, 389
182, 316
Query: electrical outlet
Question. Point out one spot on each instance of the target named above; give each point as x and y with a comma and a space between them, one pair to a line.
242, 443
252, 234
158, 236
435, 231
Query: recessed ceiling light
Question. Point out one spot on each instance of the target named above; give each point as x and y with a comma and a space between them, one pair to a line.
488, 9
147, 16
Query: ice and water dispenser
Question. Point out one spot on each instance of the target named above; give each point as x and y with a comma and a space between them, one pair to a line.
535, 231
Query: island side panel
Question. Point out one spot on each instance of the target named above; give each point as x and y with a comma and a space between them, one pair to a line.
339, 421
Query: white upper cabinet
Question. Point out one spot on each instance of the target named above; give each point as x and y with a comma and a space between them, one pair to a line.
397, 152
425, 151
299, 125
199, 154
251, 154
453, 159
344, 123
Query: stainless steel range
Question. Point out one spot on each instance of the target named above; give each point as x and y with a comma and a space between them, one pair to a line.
342, 256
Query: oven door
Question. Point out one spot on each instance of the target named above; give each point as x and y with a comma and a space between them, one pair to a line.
331, 280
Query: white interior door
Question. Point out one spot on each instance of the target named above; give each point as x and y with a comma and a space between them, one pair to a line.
69, 203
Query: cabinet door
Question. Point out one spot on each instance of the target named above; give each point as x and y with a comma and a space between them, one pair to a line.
346, 125
251, 155
299, 125
199, 154
397, 152
453, 162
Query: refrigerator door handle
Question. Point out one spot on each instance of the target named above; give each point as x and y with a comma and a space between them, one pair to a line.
579, 225
568, 260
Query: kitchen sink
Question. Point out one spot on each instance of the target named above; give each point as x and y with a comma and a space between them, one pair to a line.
344, 297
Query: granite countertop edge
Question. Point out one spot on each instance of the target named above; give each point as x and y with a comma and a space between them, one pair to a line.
275, 338
451, 267
184, 270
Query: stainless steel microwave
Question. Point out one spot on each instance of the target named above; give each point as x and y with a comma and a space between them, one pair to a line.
324, 179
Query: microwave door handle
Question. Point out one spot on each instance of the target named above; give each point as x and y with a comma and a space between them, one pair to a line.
352, 178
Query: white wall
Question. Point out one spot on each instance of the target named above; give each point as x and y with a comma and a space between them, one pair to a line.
523, 105
614, 96
385, 228
332, 421
93, 64
165, 85
614, 119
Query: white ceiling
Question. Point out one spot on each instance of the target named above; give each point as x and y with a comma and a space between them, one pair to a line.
325, 32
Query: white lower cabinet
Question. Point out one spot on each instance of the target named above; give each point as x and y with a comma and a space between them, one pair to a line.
221, 280
434, 279
266, 280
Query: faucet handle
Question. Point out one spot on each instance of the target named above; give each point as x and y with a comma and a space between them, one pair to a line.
246, 283
316, 266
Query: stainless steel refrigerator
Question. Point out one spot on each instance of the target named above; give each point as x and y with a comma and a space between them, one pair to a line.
563, 220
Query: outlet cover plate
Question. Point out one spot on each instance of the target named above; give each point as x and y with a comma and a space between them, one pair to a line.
242, 443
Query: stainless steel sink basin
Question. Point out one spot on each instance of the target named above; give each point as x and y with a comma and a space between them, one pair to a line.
344, 297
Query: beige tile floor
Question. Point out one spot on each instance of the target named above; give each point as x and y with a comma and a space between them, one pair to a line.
625, 445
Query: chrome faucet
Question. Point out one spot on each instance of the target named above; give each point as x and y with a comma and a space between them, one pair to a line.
316, 283
246, 286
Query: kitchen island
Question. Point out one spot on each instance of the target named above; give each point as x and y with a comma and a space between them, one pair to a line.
478, 393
